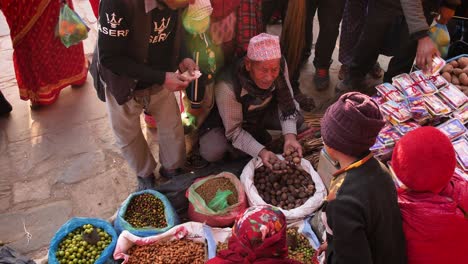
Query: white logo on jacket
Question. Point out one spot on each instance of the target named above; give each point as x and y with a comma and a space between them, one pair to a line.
159, 28
112, 23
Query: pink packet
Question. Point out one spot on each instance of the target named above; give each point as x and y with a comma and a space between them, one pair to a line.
462, 114
453, 95
435, 105
453, 128
390, 92
461, 149
399, 111
437, 64
423, 82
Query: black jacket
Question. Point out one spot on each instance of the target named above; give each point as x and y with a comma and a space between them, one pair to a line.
365, 219
123, 67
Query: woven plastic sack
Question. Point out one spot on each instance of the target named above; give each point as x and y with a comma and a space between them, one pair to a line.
190, 230
121, 224
199, 211
293, 215
70, 28
75, 223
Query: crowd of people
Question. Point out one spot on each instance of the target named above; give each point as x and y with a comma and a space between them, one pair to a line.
145, 53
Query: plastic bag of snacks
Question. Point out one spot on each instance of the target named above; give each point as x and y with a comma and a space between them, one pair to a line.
305, 199
204, 192
390, 92
186, 243
146, 213
424, 83
89, 239
453, 96
453, 128
407, 85
70, 28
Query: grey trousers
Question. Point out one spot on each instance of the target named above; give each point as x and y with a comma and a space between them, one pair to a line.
125, 123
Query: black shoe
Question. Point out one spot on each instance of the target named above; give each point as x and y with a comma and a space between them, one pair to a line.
170, 174
145, 183
5, 106
321, 79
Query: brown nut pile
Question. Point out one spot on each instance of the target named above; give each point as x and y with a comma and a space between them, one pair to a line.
146, 210
287, 187
208, 190
221, 246
299, 247
456, 72
168, 252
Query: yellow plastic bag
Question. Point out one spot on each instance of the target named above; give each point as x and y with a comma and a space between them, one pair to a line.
70, 28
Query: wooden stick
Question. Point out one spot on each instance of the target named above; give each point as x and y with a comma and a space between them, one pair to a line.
195, 92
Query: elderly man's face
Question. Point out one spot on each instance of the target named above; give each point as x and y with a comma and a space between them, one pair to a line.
176, 4
263, 73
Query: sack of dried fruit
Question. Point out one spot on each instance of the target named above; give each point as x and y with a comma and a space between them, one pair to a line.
89, 239
298, 191
184, 244
146, 213
216, 200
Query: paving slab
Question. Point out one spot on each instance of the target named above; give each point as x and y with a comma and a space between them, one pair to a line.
40, 222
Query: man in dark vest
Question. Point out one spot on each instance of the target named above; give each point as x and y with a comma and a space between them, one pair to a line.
139, 49
252, 96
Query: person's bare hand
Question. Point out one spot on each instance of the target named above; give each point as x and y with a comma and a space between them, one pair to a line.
175, 82
291, 144
424, 54
188, 65
268, 158
445, 14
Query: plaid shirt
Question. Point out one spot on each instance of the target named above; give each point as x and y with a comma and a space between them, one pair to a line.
230, 111
249, 24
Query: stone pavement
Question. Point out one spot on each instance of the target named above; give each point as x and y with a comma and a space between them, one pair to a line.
60, 161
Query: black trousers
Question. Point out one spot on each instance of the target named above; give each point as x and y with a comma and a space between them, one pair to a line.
386, 32
330, 13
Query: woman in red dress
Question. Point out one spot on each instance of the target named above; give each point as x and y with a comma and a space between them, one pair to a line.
43, 65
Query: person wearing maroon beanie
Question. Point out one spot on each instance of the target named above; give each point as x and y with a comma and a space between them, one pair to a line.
361, 214
433, 201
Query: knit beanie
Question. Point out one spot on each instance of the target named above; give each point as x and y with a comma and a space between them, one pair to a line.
424, 160
351, 124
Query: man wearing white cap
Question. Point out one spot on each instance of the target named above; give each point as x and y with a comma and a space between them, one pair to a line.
252, 96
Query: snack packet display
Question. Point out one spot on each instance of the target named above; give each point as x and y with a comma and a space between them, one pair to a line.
438, 80
437, 64
390, 92
426, 86
461, 149
418, 109
407, 85
453, 128
406, 127
436, 106
388, 136
453, 96
396, 112
462, 114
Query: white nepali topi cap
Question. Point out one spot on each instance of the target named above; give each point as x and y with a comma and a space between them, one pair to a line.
264, 47
199, 10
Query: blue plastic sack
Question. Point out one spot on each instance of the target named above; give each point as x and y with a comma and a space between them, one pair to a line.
75, 223
171, 217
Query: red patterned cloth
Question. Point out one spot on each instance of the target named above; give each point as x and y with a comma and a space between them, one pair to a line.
258, 236
249, 24
43, 65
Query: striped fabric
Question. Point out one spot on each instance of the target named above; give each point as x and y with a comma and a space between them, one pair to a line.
249, 24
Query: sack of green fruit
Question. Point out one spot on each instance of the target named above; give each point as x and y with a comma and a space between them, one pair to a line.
146, 213
216, 200
89, 239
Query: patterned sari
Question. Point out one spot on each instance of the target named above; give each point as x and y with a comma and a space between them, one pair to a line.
43, 65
